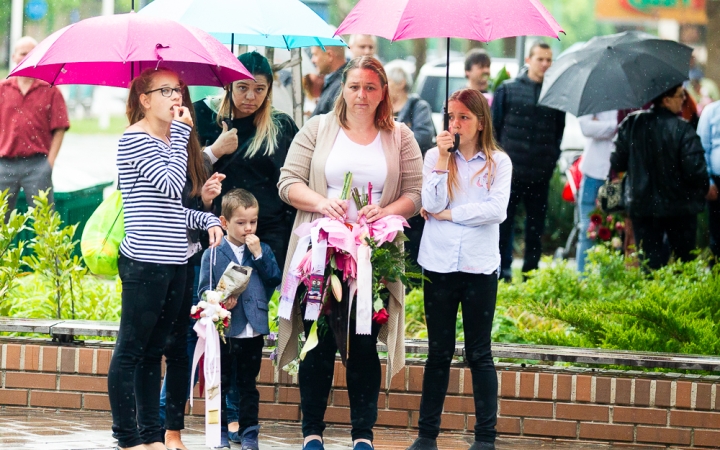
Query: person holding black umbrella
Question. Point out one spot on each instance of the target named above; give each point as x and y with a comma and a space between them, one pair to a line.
667, 177
531, 136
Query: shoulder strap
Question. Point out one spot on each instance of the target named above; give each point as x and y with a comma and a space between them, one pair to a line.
321, 126
397, 135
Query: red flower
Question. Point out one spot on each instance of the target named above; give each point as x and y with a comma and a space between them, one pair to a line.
596, 219
226, 322
381, 316
604, 233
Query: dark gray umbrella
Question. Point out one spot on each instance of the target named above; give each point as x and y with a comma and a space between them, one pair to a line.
618, 71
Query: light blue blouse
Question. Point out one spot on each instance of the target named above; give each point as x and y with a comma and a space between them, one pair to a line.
470, 242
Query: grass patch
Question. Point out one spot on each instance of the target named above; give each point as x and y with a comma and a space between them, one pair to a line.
90, 125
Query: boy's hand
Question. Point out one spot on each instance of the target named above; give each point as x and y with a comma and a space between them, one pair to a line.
253, 244
230, 302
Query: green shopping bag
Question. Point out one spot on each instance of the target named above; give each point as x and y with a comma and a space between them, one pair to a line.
103, 233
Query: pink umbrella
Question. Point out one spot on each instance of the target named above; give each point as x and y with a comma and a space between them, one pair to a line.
112, 50
478, 20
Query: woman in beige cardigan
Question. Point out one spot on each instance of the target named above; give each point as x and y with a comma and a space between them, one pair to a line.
359, 136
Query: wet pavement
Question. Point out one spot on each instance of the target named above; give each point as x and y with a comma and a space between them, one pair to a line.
25, 429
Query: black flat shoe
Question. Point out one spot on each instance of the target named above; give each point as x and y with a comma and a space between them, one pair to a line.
477, 445
423, 443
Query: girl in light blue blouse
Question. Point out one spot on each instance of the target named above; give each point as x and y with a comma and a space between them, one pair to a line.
465, 196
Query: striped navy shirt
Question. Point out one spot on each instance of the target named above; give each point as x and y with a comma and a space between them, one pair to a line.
155, 220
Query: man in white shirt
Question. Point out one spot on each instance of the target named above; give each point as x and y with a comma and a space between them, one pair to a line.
599, 129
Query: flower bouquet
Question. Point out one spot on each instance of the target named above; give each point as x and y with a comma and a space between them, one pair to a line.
212, 307
606, 228
340, 270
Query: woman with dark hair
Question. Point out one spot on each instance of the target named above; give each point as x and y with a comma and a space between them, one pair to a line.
667, 177
247, 140
358, 136
465, 196
152, 163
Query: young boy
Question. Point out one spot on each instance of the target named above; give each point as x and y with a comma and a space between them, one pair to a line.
249, 320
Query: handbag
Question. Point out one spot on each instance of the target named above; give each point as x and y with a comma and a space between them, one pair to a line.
103, 233
611, 196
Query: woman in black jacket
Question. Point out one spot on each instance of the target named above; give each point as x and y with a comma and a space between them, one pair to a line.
667, 177
252, 150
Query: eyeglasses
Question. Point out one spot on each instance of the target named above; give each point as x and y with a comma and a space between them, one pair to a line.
166, 91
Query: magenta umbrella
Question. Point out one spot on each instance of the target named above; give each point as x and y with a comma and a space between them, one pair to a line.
478, 20
112, 50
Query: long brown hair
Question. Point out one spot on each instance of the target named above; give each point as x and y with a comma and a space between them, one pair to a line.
383, 114
135, 112
478, 105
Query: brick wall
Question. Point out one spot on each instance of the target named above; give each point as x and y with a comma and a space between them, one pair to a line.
628, 407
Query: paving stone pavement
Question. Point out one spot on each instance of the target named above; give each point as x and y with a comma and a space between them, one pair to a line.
26, 429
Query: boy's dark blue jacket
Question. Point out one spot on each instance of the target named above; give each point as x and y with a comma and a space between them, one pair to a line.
252, 306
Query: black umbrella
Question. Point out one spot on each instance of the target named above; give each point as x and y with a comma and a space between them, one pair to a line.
618, 71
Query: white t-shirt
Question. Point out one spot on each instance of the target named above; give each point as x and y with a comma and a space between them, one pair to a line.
367, 164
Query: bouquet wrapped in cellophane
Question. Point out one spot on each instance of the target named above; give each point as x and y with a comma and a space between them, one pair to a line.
339, 271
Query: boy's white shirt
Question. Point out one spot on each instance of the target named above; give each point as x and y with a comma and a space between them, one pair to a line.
248, 332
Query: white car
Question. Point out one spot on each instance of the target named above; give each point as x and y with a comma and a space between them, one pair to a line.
430, 85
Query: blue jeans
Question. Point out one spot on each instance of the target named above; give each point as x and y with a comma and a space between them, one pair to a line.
588, 194
233, 398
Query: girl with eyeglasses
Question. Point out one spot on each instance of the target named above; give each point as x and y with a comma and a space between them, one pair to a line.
152, 163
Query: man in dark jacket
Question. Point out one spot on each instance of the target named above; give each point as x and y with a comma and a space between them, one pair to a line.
330, 63
667, 177
531, 136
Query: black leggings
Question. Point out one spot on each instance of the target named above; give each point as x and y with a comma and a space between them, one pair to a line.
363, 382
151, 300
477, 294
177, 360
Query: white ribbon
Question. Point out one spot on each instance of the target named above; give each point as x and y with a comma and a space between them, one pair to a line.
319, 260
209, 344
292, 280
363, 310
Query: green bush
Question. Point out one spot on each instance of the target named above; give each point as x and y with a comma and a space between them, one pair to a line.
618, 305
49, 282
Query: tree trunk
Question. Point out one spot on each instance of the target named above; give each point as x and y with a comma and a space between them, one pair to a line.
420, 53
712, 40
